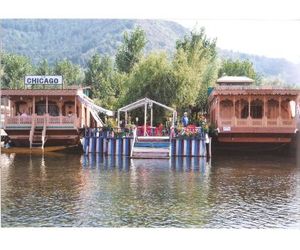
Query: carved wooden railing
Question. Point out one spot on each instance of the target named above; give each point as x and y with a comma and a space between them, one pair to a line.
252, 122
41, 119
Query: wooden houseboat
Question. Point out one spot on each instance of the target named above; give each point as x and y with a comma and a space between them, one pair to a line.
48, 117
244, 113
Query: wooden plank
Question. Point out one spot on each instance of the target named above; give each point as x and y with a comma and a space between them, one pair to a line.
255, 139
151, 150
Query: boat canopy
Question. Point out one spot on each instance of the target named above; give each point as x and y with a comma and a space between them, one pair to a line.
95, 109
145, 102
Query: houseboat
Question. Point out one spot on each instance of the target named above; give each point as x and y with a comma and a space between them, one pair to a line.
244, 113
47, 117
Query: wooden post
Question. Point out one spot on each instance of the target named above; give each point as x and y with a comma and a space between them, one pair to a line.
249, 106
279, 112
9, 106
11, 109
118, 118
145, 119
80, 115
218, 111
209, 150
151, 119
5, 111
240, 109
234, 117
46, 104
75, 104
33, 105
173, 119
265, 113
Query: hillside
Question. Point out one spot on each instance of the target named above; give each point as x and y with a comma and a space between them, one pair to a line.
268, 67
78, 39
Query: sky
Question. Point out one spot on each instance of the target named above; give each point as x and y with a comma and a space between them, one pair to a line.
271, 38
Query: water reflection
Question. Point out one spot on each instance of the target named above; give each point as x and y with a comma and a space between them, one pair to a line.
197, 164
240, 191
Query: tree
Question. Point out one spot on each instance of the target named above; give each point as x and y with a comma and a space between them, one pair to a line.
195, 70
153, 78
130, 52
107, 84
14, 69
238, 67
43, 68
99, 75
69, 71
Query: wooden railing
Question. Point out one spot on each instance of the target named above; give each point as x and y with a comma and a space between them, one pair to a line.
42, 120
251, 122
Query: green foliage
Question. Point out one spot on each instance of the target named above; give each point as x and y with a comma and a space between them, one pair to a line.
79, 39
232, 67
98, 75
14, 68
195, 70
267, 67
152, 78
43, 68
198, 47
69, 71
131, 51
107, 84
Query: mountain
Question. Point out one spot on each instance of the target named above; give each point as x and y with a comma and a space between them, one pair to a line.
78, 39
269, 67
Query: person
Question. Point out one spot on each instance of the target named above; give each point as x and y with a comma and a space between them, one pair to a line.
24, 114
7, 142
185, 120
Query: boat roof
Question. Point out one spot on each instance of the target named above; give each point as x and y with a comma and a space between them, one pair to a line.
39, 92
141, 103
252, 90
235, 80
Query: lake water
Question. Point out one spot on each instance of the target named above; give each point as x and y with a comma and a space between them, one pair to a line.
69, 190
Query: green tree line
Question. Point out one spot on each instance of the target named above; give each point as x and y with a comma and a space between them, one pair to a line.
180, 80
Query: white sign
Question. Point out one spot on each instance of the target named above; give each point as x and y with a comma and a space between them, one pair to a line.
43, 80
226, 129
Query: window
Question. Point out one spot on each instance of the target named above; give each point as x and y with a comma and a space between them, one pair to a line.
241, 109
226, 109
53, 109
285, 109
256, 109
273, 109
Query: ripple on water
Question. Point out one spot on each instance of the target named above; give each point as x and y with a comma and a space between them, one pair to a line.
71, 190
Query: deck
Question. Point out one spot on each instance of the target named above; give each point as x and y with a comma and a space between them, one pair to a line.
152, 147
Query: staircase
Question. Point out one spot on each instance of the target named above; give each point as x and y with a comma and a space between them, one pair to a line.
37, 138
151, 147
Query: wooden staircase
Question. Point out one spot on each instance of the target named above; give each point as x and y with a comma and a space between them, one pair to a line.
37, 138
151, 147
37, 135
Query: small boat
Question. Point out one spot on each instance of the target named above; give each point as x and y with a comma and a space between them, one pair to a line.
38, 150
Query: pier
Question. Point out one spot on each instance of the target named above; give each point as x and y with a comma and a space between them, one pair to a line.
96, 140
